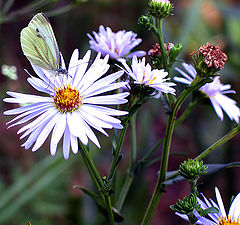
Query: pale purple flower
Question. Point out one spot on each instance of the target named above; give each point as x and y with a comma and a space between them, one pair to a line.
143, 74
117, 45
221, 217
215, 91
73, 107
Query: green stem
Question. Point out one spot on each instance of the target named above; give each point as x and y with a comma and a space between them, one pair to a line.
193, 186
130, 175
214, 146
178, 122
97, 180
133, 108
133, 142
161, 42
220, 142
159, 189
109, 209
117, 152
190, 107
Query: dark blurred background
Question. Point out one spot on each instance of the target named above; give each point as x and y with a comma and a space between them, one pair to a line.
39, 188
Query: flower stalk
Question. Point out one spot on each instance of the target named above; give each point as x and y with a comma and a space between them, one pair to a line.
102, 188
130, 174
159, 22
159, 188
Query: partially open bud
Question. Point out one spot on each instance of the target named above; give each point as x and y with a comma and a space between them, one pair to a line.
156, 51
187, 205
209, 59
192, 169
160, 8
172, 51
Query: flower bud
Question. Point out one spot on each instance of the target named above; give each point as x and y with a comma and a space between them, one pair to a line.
187, 205
160, 8
208, 60
174, 52
146, 21
192, 169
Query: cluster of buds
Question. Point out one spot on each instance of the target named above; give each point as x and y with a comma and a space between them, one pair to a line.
160, 8
192, 169
208, 60
187, 205
172, 51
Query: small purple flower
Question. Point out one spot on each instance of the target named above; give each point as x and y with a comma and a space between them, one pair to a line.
117, 45
215, 91
220, 218
142, 73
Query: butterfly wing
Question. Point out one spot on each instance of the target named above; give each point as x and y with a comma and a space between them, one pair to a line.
36, 49
39, 44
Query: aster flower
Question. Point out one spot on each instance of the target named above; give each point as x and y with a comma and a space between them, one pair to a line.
220, 218
73, 107
215, 91
117, 45
143, 74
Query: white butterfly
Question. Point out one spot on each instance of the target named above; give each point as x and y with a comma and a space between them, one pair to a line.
39, 45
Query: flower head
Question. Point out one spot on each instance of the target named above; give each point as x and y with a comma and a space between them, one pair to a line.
213, 56
117, 45
208, 60
220, 218
160, 8
73, 107
215, 91
143, 74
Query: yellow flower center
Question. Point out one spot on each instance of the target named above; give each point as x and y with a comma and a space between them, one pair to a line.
67, 99
151, 81
228, 221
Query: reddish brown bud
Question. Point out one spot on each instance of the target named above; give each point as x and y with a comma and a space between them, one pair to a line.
157, 51
213, 56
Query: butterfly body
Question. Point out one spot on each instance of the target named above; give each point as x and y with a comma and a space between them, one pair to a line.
39, 45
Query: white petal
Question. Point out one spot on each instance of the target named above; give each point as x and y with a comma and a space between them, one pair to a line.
82, 66
66, 143
234, 211
76, 126
45, 132
57, 133
74, 144
220, 202
108, 99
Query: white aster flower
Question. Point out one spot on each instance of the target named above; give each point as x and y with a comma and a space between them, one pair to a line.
220, 218
117, 45
73, 108
143, 74
215, 91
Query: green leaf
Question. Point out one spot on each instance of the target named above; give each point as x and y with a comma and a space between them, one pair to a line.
118, 217
209, 210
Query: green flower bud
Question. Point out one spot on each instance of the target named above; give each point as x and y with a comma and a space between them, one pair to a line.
192, 169
174, 52
160, 8
146, 21
187, 205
